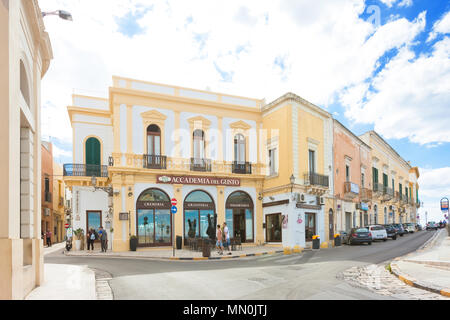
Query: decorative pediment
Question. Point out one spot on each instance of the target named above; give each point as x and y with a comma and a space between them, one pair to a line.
153, 115
199, 120
240, 125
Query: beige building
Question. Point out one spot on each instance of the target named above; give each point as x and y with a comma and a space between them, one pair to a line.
25, 54
58, 203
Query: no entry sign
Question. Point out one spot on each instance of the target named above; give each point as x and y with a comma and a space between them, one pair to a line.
67, 226
174, 202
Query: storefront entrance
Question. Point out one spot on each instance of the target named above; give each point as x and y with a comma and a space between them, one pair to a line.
310, 226
239, 216
199, 216
154, 220
273, 227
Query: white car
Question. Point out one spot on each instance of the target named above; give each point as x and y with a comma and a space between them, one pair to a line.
409, 227
378, 232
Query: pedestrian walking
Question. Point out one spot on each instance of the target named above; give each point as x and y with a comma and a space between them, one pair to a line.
219, 245
104, 239
48, 235
226, 233
91, 239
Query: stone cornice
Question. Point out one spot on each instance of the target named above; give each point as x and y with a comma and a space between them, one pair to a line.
295, 98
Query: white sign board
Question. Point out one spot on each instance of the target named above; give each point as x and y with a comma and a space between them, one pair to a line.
69, 233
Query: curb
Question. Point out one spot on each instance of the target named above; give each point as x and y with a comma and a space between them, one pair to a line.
416, 283
181, 259
103, 290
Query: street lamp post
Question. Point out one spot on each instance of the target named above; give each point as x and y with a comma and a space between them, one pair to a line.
60, 13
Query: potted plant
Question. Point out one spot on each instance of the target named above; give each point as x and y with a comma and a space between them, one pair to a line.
133, 243
79, 234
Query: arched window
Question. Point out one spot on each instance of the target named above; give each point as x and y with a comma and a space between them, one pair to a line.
153, 140
199, 216
93, 157
239, 149
239, 216
199, 144
154, 223
24, 84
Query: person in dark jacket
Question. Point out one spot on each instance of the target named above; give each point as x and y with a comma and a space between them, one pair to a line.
104, 239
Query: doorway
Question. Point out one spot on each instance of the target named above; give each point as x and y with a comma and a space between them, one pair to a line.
239, 216
273, 227
331, 224
310, 226
348, 221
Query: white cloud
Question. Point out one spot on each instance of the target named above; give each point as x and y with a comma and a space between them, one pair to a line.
405, 3
441, 26
324, 46
410, 97
434, 184
389, 3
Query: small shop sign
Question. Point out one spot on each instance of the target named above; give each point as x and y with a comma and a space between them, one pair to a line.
123, 216
364, 206
196, 180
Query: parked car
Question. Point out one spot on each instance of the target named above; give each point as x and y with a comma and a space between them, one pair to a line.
400, 230
409, 227
418, 227
432, 226
359, 235
378, 232
391, 231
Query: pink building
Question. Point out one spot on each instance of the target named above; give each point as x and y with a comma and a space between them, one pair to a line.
352, 180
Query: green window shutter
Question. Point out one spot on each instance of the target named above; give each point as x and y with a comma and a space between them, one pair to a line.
375, 175
385, 180
93, 157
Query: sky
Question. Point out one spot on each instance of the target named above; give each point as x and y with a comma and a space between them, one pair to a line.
378, 65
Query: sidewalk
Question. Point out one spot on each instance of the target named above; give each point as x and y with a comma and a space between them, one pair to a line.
184, 254
65, 282
429, 267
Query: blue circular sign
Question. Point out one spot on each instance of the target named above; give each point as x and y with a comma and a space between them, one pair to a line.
174, 210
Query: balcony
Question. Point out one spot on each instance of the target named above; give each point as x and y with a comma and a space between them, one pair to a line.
155, 162
241, 167
47, 196
351, 190
388, 193
378, 189
85, 170
314, 179
366, 195
201, 165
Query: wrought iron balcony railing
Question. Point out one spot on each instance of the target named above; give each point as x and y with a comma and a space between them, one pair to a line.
315, 179
85, 170
155, 162
378, 189
202, 165
242, 167
388, 193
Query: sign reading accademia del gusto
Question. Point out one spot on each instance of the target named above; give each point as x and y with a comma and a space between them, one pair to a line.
207, 181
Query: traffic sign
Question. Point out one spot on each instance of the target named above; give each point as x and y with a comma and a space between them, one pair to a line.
174, 202
444, 205
174, 210
67, 226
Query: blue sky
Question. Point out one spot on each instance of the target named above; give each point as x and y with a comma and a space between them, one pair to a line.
376, 65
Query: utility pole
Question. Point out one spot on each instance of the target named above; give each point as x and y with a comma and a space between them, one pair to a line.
426, 218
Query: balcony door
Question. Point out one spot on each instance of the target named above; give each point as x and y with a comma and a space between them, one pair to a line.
93, 157
199, 147
239, 149
153, 157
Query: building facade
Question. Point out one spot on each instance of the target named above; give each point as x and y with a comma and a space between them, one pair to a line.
47, 213
25, 54
353, 179
393, 198
217, 155
59, 203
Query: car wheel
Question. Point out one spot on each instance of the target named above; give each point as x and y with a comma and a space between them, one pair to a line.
384, 240
369, 243
394, 238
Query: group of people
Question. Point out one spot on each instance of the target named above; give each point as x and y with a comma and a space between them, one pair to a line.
101, 235
223, 239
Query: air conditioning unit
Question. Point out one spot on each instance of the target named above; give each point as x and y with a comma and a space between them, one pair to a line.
46, 212
322, 201
302, 198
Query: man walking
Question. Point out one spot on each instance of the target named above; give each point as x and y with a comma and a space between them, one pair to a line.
227, 237
49, 238
104, 239
219, 240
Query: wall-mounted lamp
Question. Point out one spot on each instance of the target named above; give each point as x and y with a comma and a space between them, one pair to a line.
260, 197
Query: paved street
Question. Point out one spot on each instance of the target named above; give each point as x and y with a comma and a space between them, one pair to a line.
311, 275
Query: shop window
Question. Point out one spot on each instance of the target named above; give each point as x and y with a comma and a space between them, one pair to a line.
199, 216
240, 219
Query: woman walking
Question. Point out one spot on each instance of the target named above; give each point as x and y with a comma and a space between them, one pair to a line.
219, 245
